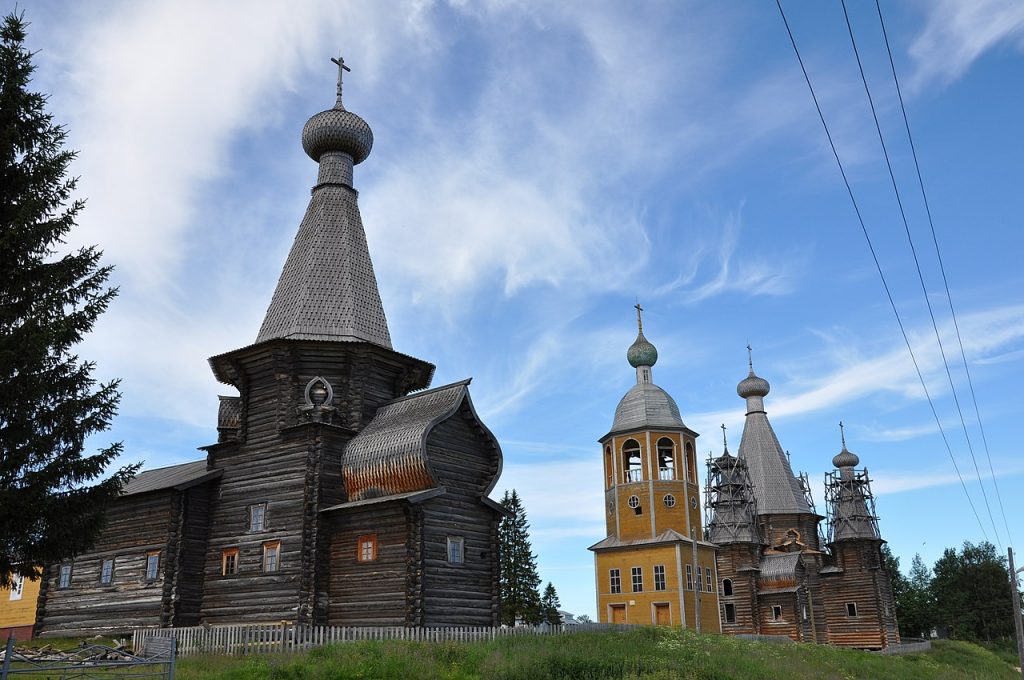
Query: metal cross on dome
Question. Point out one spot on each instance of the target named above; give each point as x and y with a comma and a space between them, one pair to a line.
340, 61
639, 320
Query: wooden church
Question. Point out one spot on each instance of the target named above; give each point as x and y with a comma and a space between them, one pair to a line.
761, 565
339, 491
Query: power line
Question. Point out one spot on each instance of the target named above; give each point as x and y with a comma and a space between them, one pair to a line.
878, 266
917, 265
942, 268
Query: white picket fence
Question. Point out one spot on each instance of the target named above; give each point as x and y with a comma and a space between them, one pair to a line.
286, 637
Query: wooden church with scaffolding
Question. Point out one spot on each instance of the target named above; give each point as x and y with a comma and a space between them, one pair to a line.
760, 562
779, 574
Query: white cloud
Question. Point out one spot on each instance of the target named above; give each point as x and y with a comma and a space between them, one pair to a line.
956, 33
891, 481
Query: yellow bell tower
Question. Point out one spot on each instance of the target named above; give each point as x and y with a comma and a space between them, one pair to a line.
654, 566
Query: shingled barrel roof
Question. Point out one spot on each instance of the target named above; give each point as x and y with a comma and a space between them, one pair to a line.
389, 456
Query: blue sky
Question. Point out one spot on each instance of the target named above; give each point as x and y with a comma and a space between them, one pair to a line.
538, 167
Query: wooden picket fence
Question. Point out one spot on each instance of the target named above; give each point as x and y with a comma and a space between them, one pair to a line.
287, 637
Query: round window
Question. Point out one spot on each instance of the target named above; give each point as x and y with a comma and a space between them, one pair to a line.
670, 500
634, 501
693, 502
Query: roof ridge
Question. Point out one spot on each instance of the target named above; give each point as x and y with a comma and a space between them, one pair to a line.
421, 393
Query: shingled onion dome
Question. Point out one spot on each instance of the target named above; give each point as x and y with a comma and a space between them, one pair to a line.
754, 389
845, 458
337, 139
642, 352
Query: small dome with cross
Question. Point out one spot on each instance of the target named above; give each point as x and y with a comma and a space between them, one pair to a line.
337, 130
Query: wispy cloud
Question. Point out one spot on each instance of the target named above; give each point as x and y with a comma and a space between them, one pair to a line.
891, 481
957, 33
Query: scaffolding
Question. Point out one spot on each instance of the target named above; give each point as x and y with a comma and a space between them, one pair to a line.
730, 511
850, 505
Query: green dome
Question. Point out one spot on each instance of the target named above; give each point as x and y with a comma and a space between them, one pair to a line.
642, 352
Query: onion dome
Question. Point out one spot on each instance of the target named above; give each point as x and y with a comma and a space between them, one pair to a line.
753, 386
845, 458
642, 352
337, 130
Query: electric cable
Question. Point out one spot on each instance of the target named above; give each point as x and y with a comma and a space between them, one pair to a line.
917, 264
878, 266
942, 268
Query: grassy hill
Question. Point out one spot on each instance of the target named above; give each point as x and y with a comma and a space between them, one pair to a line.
647, 653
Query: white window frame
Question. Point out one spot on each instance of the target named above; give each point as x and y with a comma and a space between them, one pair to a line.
17, 586
689, 577
708, 581
776, 612
458, 543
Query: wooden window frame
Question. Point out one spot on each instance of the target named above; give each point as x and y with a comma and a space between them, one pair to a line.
156, 576
263, 518
224, 555
699, 582
61, 585
776, 613
460, 541
615, 581
709, 581
727, 589
851, 606
730, 612
267, 547
371, 539
689, 577
659, 577
103, 565
636, 579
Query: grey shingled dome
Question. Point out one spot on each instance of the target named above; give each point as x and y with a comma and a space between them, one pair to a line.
642, 352
337, 130
646, 406
846, 458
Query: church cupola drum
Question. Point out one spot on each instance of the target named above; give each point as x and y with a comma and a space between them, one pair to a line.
654, 565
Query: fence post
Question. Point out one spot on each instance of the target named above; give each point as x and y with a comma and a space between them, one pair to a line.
7, 655
174, 654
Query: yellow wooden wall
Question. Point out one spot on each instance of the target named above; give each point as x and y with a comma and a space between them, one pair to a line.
14, 613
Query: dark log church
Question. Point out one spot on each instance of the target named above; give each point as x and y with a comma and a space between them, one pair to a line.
340, 490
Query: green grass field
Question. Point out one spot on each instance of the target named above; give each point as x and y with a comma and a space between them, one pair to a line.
647, 653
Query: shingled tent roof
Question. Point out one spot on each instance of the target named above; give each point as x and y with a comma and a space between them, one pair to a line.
776, 488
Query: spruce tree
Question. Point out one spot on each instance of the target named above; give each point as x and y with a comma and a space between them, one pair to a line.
519, 580
49, 401
549, 605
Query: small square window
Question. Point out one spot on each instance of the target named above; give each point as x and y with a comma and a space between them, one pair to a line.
107, 572
152, 565
17, 586
456, 550
229, 562
615, 578
366, 548
258, 517
730, 612
271, 556
64, 580
851, 609
776, 612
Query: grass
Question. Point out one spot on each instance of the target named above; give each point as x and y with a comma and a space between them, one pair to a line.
642, 654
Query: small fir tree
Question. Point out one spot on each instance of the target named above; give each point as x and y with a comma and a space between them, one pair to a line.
520, 600
49, 402
919, 603
549, 606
